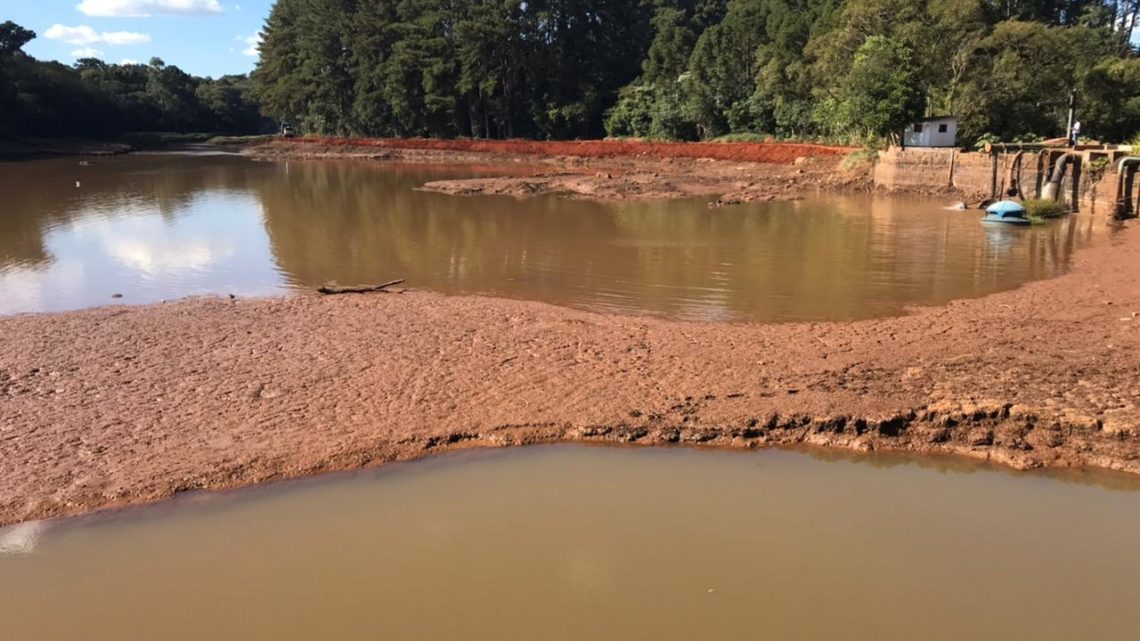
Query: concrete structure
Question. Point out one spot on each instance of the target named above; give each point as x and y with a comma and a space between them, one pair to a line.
974, 177
941, 131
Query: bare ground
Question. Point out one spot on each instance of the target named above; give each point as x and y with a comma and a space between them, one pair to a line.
610, 175
125, 405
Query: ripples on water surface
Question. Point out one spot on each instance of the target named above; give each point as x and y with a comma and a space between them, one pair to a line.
588, 543
161, 226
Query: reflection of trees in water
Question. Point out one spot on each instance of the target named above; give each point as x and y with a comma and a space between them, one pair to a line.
357, 223
41, 195
21, 241
353, 223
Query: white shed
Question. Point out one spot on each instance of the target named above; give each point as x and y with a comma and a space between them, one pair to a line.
941, 131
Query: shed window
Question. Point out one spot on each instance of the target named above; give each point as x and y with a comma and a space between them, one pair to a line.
918, 128
943, 128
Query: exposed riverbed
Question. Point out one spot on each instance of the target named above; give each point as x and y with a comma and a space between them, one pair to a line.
588, 543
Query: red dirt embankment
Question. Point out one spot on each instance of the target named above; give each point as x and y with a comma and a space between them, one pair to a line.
765, 152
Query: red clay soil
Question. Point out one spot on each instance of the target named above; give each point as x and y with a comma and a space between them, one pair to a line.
672, 171
125, 405
766, 152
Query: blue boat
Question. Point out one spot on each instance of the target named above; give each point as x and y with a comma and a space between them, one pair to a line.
1006, 212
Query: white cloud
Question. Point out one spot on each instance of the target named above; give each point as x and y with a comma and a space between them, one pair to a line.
145, 8
86, 36
253, 46
153, 258
128, 61
87, 52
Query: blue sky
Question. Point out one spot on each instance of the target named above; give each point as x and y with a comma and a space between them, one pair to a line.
203, 37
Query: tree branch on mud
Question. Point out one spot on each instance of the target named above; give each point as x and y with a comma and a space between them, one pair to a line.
329, 290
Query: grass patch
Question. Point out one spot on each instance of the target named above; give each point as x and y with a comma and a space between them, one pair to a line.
743, 137
833, 141
1039, 211
860, 158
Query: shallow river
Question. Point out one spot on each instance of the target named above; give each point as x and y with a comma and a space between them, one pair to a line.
160, 226
589, 543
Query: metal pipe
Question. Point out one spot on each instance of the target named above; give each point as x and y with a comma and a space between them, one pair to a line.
1075, 197
1052, 190
1125, 177
1013, 176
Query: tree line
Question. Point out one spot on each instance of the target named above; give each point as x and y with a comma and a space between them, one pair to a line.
698, 69
94, 99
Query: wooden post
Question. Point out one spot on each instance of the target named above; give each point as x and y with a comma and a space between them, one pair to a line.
993, 174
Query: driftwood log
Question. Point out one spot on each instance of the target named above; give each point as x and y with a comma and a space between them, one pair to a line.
329, 290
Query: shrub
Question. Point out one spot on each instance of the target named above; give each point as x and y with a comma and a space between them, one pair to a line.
1042, 210
856, 159
743, 137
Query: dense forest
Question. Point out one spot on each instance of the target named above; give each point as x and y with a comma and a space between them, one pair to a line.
93, 99
696, 69
849, 70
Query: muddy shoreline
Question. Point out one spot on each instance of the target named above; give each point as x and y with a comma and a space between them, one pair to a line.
126, 405
35, 149
607, 171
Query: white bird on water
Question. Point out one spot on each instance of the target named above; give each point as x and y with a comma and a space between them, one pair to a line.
77, 183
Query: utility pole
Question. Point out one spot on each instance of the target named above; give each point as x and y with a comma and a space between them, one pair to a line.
1072, 114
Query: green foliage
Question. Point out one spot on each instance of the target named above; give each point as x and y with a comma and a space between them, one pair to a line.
743, 137
860, 158
985, 139
650, 111
480, 68
632, 116
93, 99
13, 37
1111, 98
852, 70
1041, 210
721, 78
880, 95
1096, 169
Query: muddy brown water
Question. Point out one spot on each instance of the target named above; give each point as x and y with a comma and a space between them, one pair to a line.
571, 542
162, 226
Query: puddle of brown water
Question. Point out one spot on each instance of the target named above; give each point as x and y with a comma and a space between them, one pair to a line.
590, 543
153, 227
